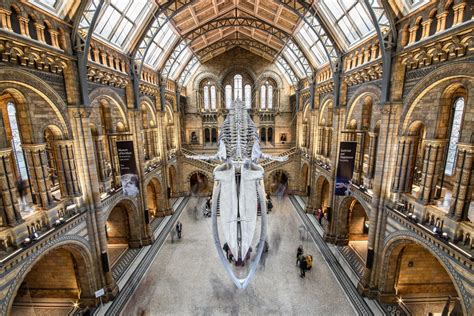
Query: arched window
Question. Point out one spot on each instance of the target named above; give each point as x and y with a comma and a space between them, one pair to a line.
263, 135
248, 96
214, 135
270, 97
237, 87
213, 97
206, 97
454, 137
16, 142
263, 97
270, 135
207, 136
228, 96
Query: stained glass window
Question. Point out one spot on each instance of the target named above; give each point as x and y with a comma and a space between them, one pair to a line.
228, 96
213, 98
16, 141
206, 97
248, 96
454, 139
237, 87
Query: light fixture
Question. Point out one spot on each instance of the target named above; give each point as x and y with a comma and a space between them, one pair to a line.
75, 304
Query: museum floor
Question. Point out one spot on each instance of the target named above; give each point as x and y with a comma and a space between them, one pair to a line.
187, 278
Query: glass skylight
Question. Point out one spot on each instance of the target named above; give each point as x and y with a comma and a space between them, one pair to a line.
286, 70
188, 72
180, 63
160, 45
310, 42
350, 18
119, 20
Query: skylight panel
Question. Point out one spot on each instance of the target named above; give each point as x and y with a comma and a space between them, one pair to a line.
160, 46
286, 70
310, 42
292, 58
179, 63
350, 18
120, 19
188, 72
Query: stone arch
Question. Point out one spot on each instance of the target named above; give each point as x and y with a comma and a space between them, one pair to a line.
80, 250
235, 69
455, 70
323, 192
327, 105
124, 215
353, 215
108, 97
394, 244
26, 82
358, 98
202, 76
273, 75
199, 183
154, 195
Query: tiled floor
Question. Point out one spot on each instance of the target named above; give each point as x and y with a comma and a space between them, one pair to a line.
187, 278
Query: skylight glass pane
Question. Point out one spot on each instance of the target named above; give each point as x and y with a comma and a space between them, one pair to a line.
213, 97
206, 97
263, 97
291, 57
360, 18
179, 63
162, 43
120, 4
248, 96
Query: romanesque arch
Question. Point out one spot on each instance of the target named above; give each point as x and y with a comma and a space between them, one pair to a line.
61, 271
406, 258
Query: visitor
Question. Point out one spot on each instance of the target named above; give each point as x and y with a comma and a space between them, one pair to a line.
320, 216
226, 249
269, 205
303, 266
299, 253
309, 262
231, 256
179, 229
247, 256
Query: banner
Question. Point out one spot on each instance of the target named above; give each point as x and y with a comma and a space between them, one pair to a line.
128, 168
345, 167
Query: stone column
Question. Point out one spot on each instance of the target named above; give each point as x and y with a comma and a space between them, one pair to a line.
89, 176
68, 181
54, 39
359, 159
101, 158
463, 185
5, 22
432, 161
441, 26
404, 167
37, 163
9, 207
24, 26
372, 153
40, 32
155, 144
458, 13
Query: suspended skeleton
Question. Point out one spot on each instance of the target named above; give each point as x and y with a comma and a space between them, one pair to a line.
238, 188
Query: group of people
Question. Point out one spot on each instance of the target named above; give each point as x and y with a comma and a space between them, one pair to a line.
304, 262
231, 258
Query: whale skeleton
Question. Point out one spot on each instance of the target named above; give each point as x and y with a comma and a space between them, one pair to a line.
238, 189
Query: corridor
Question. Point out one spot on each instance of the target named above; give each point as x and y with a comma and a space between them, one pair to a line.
187, 277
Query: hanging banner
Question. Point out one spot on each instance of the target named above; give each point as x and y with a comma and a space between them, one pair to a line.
345, 167
128, 168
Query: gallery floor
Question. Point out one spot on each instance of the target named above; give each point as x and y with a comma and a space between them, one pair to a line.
187, 277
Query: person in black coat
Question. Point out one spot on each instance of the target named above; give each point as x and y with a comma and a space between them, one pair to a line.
179, 229
299, 253
303, 266
226, 249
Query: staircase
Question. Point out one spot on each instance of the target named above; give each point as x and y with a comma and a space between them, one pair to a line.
356, 264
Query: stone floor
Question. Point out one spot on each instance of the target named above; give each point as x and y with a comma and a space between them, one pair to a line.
187, 278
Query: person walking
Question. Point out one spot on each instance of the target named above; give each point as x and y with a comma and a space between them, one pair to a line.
226, 249
320, 216
179, 229
299, 253
303, 266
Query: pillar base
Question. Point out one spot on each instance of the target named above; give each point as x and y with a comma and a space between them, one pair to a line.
329, 238
148, 240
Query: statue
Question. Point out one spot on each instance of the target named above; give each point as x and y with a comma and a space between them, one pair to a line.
238, 189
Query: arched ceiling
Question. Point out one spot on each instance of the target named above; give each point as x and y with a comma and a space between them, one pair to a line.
166, 35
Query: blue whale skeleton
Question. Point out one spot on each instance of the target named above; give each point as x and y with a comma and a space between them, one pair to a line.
238, 189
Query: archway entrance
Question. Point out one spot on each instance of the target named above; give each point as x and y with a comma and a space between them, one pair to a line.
118, 232
357, 226
322, 193
419, 281
199, 184
279, 183
56, 282
154, 198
